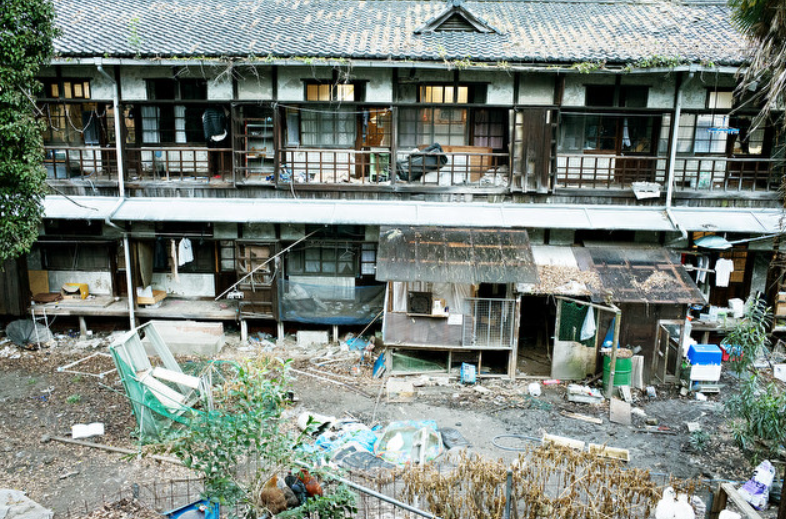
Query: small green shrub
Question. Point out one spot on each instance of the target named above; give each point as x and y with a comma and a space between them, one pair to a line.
74, 399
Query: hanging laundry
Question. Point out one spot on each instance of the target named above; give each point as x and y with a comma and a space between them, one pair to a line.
184, 252
703, 263
160, 258
214, 123
588, 329
173, 260
723, 269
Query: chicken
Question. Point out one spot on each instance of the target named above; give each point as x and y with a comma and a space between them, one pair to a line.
298, 488
313, 488
666, 506
292, 500
272, 498
683, 510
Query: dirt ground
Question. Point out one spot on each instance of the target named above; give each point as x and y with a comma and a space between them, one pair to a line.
39, 400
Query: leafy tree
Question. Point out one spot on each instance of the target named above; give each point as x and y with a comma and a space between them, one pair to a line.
763, 22
26, 35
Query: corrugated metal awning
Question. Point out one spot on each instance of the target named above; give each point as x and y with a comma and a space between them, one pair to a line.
455, 255
79, 207
416, 213
638, 275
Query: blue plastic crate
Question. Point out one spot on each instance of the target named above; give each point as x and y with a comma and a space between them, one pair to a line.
704, 354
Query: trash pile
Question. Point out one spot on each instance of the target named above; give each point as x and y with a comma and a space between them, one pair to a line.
351, 444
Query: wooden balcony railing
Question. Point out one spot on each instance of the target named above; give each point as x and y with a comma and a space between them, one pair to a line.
727, 174
370, 167
179, 164
607, 171
334, 166
690, 173
455, 168
72, 163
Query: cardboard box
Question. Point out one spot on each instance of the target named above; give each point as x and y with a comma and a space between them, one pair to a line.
158, 295
74, 291
780, 309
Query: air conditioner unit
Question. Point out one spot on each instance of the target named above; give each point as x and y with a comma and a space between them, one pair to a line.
419, 302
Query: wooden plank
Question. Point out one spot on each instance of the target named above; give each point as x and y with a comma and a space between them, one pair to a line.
582, 417
609, 452
745, 509
563, 441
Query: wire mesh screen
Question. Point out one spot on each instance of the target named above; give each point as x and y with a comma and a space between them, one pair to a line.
305, 303
489, 322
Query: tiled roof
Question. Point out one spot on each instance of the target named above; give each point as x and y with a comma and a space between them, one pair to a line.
529, 31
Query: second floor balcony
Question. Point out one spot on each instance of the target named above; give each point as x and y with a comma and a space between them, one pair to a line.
427, 149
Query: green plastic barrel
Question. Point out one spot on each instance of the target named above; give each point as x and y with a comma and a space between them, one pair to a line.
622, 372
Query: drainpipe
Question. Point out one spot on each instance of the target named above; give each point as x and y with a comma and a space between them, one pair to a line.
121, 193
118, 133
673, 155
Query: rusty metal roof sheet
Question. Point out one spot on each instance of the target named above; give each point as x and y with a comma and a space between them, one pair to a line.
455, 255
638, 275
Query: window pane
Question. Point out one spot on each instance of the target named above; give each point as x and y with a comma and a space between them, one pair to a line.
463, 94
719, 99
67, 89
345, 92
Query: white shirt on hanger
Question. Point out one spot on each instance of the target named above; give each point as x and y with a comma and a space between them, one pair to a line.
184, 252
723, 269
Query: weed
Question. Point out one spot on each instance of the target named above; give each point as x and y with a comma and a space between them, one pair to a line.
74, 399
32, 381
700, 440
585, 67
77, 379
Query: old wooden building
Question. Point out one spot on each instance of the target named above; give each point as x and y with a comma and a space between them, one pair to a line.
451, 166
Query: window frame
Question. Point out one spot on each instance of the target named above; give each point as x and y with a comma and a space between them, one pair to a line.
163, 119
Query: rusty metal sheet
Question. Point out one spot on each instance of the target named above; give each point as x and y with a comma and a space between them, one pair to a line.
638, 275
455, 255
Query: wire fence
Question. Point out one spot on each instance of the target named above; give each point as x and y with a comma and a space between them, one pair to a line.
550, 483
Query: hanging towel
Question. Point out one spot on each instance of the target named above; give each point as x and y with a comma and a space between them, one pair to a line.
184, 252
588, 329
173, 260
723, 269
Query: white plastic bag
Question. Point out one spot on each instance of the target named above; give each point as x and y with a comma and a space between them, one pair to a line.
756, 490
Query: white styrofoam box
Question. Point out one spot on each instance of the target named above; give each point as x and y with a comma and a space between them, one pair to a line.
307, 338
737, 307
705, 372
779, 371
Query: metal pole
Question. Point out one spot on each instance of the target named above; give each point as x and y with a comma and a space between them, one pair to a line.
508, 492
129, 283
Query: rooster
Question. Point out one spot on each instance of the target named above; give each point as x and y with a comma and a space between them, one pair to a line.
313, 488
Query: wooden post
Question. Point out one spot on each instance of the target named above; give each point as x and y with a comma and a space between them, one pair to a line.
614, 348
82, 328
782, 507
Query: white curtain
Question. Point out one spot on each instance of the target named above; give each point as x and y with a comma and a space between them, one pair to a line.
150, 116
180, 124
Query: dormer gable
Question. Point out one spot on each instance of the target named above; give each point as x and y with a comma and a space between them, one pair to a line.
455, 18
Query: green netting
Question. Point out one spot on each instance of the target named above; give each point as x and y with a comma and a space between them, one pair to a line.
155, 414
408, 363
572, 317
